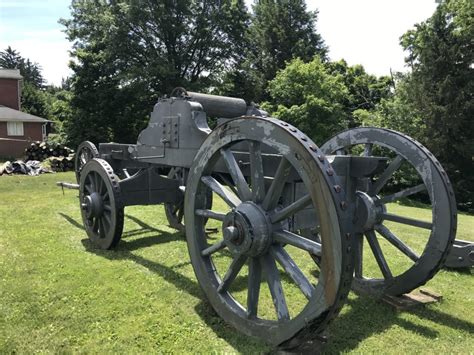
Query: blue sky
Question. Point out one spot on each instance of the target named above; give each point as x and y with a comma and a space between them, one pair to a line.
363, 32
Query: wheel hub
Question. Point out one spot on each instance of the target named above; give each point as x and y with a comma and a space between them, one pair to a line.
247, 230
93, 205
367, 213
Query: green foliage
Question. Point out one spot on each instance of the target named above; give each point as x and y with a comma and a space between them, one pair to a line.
128, 53
323, 98
441, 53
396, 112
34, 101
364, 91
308, 96
31, 72
60, 295
280, 30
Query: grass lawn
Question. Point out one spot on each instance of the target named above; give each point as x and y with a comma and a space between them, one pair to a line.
58, 294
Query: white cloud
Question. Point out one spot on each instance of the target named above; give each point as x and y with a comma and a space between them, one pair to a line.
49, 48
367, 32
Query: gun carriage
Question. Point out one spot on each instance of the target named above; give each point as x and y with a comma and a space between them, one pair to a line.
290, 213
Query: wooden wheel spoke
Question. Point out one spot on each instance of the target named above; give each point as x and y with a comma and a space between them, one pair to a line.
253, 291
286, 237
83, 159
274, 283
107, 218
91, 183
256, 172
97, 182
176, 208
210, 214
378, 254
277, 185
95, 225
227, 196
228, 183
102, 230
288, 264
386, 175
88, 188
290, 210
180, 215
368, 149
213, 248
392, 238
242, 187
404, 193
407, 220
359, 256
232, 273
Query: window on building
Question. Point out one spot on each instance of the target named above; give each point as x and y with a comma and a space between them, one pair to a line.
15, 128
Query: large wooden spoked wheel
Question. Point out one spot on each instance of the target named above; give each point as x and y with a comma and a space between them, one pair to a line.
402, 251
259, 274
101, 206
85, 152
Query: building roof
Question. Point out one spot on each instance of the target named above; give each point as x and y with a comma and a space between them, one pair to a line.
10, 74
11, 115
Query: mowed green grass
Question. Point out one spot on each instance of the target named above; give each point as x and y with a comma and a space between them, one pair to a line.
58, 294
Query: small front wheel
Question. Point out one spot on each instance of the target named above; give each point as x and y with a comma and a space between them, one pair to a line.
101, 205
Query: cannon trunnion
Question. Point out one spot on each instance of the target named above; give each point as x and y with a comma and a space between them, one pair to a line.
309, 223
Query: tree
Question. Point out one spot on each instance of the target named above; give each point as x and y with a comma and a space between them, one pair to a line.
441, 53
280, 31
365, 91
31, 72
308, 96
396, 111
128, 53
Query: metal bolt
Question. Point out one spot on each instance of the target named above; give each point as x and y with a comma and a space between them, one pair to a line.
231, 233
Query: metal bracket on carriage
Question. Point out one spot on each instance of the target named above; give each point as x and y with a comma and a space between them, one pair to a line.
461, 255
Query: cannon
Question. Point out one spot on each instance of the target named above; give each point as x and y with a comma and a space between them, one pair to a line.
308, 222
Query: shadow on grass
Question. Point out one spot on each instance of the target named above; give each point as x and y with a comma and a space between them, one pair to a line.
71, 220
369, 317
145, 228
203, 308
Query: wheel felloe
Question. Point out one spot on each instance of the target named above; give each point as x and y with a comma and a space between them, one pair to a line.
101, 207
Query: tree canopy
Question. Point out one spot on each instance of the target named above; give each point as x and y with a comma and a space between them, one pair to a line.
441, 55
128, 53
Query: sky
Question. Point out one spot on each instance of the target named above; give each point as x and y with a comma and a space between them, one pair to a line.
363, 32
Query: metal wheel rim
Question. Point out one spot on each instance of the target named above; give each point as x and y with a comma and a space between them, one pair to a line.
336, 273
444, 219
104, 229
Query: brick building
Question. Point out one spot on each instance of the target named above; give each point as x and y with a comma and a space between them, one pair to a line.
17, 129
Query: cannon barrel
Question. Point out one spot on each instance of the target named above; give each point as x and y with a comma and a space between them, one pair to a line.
220, 106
